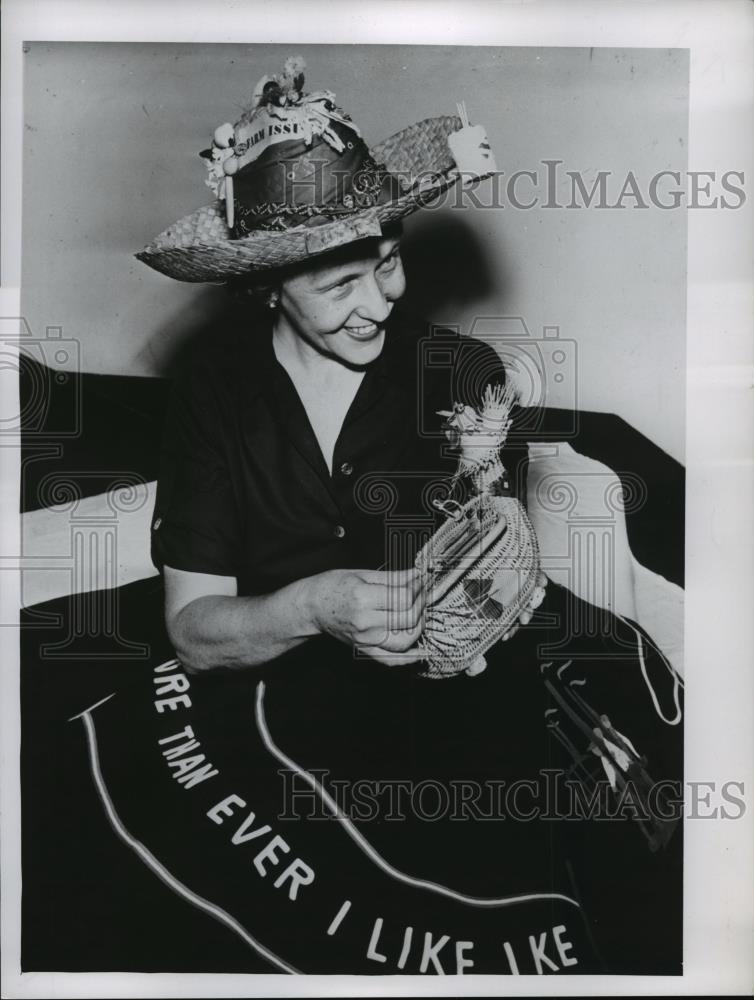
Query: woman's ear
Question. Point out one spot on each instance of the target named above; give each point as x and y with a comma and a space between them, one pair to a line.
256, 291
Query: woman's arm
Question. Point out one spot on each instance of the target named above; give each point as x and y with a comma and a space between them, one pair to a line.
211, 627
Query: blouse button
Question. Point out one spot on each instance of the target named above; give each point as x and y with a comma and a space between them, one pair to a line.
157, 523
339, 531
346, 468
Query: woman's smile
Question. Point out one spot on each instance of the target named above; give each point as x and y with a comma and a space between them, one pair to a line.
364, 331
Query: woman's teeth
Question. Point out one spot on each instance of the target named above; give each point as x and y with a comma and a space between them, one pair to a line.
363, 331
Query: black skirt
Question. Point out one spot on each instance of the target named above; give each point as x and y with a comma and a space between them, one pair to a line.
328, 814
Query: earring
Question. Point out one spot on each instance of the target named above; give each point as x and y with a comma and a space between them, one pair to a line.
272, 300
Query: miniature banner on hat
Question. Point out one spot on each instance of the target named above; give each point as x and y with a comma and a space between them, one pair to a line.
234, 148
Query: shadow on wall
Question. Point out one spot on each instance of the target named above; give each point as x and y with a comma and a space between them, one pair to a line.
205, 313
446, 270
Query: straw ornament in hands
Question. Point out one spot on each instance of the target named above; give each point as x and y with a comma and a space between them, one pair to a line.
481, 567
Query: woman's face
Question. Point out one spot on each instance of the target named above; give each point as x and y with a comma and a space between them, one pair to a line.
340, 307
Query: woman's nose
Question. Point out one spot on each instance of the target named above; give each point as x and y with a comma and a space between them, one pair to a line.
374, 306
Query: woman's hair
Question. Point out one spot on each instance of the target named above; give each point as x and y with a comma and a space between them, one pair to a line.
256, 287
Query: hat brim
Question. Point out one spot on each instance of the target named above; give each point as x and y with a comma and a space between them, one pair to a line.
200, 247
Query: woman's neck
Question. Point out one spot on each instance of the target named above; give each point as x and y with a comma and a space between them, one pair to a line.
293, 350
325, 387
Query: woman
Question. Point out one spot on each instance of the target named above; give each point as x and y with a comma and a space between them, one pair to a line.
329, 326
330, 314
302, 455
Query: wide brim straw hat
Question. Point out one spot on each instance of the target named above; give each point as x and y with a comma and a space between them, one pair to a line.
270, 213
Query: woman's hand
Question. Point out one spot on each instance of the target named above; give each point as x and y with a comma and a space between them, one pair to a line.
378, 612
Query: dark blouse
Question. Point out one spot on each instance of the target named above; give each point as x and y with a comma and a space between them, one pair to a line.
244, 490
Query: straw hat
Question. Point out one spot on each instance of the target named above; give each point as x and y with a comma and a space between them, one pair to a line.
293, 178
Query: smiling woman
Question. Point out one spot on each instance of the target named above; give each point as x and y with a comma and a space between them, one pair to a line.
331, 296
316, 446
330, 325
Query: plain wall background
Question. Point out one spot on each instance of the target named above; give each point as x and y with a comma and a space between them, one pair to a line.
112, 136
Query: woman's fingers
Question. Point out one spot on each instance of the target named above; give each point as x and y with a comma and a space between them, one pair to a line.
395, 591
392, 615
408, 580
375, 627
389, 657
379, 608
397, 576
400, 615
394, 641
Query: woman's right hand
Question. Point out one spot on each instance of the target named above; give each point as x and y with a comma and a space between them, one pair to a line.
378, 612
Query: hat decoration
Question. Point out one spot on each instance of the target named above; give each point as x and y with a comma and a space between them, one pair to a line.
293, 178
280, 112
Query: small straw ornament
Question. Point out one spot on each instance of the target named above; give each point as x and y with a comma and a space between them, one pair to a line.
481, 567
480, 436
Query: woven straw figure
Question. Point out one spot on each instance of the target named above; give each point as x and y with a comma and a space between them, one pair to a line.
481, 567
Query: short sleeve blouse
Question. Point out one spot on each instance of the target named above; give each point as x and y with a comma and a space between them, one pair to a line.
244, 490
